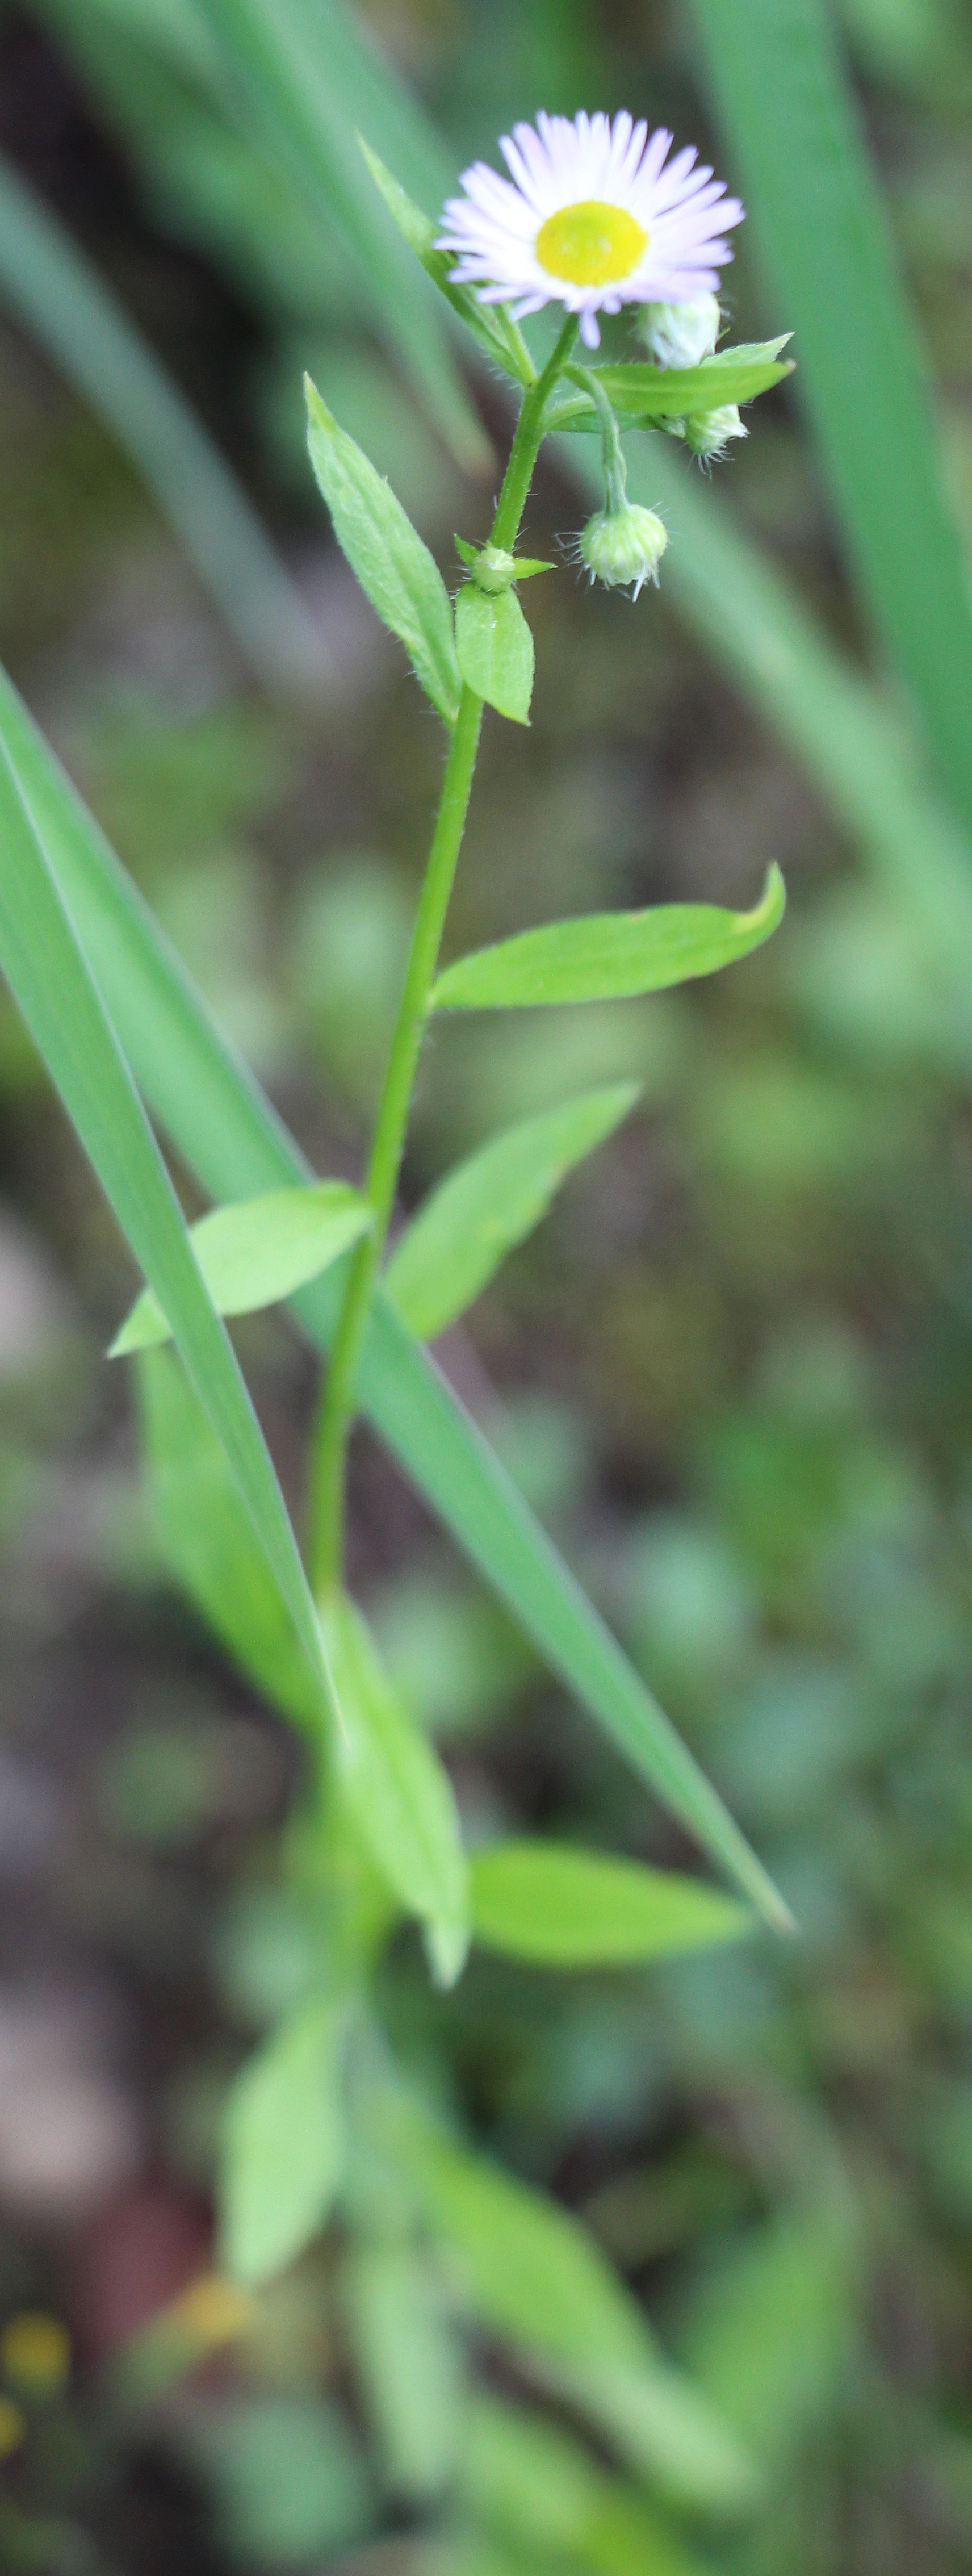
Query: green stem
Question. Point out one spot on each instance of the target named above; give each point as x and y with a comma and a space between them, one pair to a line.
391, 1124
612, 458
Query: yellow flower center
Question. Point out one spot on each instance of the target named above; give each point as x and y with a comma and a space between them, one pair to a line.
590, 244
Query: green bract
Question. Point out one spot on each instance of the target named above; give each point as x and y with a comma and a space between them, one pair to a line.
495, 650
493, 569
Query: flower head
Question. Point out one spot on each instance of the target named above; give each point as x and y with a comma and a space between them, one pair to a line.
593, 216
623, 545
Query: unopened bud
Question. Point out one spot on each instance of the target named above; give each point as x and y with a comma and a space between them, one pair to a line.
681, 335
493, 569
708, 435
622, 546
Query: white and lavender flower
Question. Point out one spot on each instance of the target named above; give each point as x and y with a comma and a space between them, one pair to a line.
594, 215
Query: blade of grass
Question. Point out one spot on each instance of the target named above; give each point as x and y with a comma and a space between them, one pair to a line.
51, 982
290, 79
47, 282
229, 1135
781, 87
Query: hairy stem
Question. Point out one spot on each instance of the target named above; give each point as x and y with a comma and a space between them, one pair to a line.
391, 1124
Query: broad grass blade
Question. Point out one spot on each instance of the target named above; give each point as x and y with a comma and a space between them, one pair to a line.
211, 1544
50, 979
784, 95
304, 85
232, 1139
47, 282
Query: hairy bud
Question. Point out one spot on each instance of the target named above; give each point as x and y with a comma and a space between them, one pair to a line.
624, 546
709, 433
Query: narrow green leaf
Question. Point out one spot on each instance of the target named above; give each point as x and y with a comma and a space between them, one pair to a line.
302, 81
232, 1139
395, 569
209, 1541
532, 2273
489, 1203
398, 1792
610, 955
574, 1909
543, 2490
51, 982
256, 1251
777, 2326
408, 2362
495, 650
492, 325
283, 2144
817, 210
664, 393
59, 297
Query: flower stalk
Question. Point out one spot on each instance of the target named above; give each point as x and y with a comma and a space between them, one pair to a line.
329, 1472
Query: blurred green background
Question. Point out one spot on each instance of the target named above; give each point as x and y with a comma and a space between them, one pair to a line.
733, 1372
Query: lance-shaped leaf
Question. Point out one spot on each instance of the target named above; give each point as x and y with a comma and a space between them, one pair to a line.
610, 955
542, 2489
395, 569
256, 1251
817, 212
283, 2143
50, 979
531, 2272
234, 1142
409, 2363
490, 1202
576, 1909
495, 650
398, 1793
639, 392
492, 325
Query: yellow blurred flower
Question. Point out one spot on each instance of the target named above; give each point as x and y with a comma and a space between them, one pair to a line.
35, 2354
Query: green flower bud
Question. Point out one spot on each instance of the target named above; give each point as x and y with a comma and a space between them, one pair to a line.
709, 433
493, 569
681, 335
622, 546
